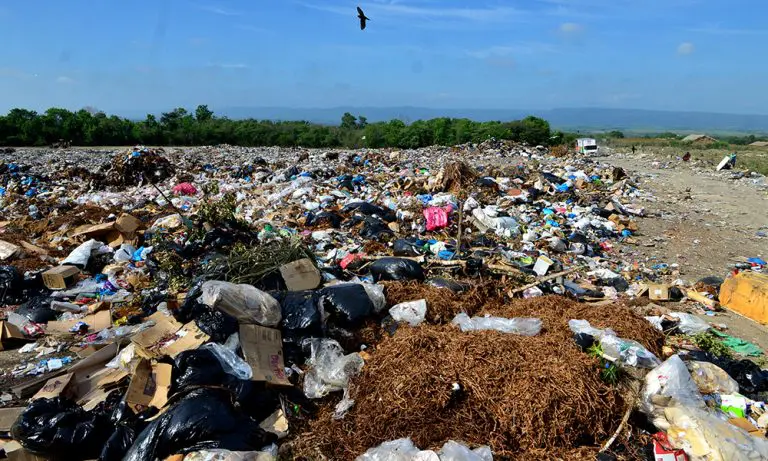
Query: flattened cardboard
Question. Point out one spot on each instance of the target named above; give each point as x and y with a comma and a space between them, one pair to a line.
59, 278
33, 248
127, 224
8, 416
90, 370
187, 337
87, 351
96, 322
149, 386
8, 250
263, 350
164, 326
15, 452
60, 385
300, 275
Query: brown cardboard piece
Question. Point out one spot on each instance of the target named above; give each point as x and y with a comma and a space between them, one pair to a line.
187, 337
96, 322
61, 385
87, 351
263, 350
9, 333
127, 224
743, 423
658, 292
91, 369
8, 416
33, 248
149, 386
60, 277
15, 452
300, 275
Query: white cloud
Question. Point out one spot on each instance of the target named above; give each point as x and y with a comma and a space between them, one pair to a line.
685, 48
65, 80
571, 28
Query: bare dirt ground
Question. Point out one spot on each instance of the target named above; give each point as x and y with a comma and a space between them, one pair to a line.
705, 222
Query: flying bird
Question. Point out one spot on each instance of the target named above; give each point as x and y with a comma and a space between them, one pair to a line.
362, 17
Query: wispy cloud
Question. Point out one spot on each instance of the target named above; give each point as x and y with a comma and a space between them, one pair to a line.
219, 10
571, 28
63, 79
238, 65
515, 49
685, 48
720, 31
251, 28
424, 12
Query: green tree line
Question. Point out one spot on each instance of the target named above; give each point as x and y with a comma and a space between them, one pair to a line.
22, 127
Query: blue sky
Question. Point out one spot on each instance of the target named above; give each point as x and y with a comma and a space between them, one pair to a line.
697, 55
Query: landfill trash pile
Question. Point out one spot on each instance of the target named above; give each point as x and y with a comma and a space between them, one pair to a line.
450, 303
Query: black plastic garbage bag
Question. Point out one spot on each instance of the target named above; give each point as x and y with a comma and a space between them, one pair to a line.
324, 218
11, 284
301, 320
215, 323
197, 367
118, 444
406, 247
750, 377
396, 269
370, 210
375, 229
452, 285
54, 427
203, 419
347, 304
38, 310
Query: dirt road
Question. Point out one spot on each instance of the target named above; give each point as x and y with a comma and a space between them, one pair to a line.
705, 222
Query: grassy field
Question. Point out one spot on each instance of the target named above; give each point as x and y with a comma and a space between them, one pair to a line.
747, 157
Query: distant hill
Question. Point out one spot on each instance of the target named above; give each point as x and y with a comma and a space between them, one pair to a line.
567, 118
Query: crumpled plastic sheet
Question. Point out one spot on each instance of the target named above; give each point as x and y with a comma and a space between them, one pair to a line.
405, 450
668, 385
245, 303
267, 454
330, 372
412, 312
625, 351
519, 326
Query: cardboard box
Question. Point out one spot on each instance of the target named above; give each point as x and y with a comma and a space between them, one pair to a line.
658, 292
301, 275
9, 333
542, 265
59, 278
663, 452
127, 224
8, 250
59, 386
263, 350
149, 386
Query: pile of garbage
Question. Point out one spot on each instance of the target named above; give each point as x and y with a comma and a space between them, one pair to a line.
458, 303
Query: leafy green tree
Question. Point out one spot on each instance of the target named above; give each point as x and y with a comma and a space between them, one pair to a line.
615, 134
203, 114
348, 121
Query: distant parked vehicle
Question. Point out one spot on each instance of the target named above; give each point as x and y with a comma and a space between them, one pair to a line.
587, 146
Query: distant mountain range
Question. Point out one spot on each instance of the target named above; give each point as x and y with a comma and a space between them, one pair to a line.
567, 118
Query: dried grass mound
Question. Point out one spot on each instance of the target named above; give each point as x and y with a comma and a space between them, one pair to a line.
518, 395
560, 151
456, 176
442, 304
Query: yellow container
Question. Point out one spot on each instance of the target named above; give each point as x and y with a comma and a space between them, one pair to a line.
747, 294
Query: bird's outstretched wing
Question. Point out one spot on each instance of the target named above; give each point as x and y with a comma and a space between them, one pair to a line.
360, 12
362, 23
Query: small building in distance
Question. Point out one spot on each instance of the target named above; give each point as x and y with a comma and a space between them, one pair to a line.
759, 144
700, 139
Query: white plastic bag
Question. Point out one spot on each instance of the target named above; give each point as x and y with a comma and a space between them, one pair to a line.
80, 255
230, 362
690, 324
519, 326
624, 351
225, 455
125, 252
330, 368
412, 312
246, 303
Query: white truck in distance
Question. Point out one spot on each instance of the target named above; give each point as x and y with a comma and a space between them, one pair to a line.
587, 146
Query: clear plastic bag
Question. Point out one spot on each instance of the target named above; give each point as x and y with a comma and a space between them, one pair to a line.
519, 326
82, 254
670, 384
690, 324
454, 451
397, 450
712, 379
230, 362
376, 293
330, 368
245, 303
412, 312
624, 351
